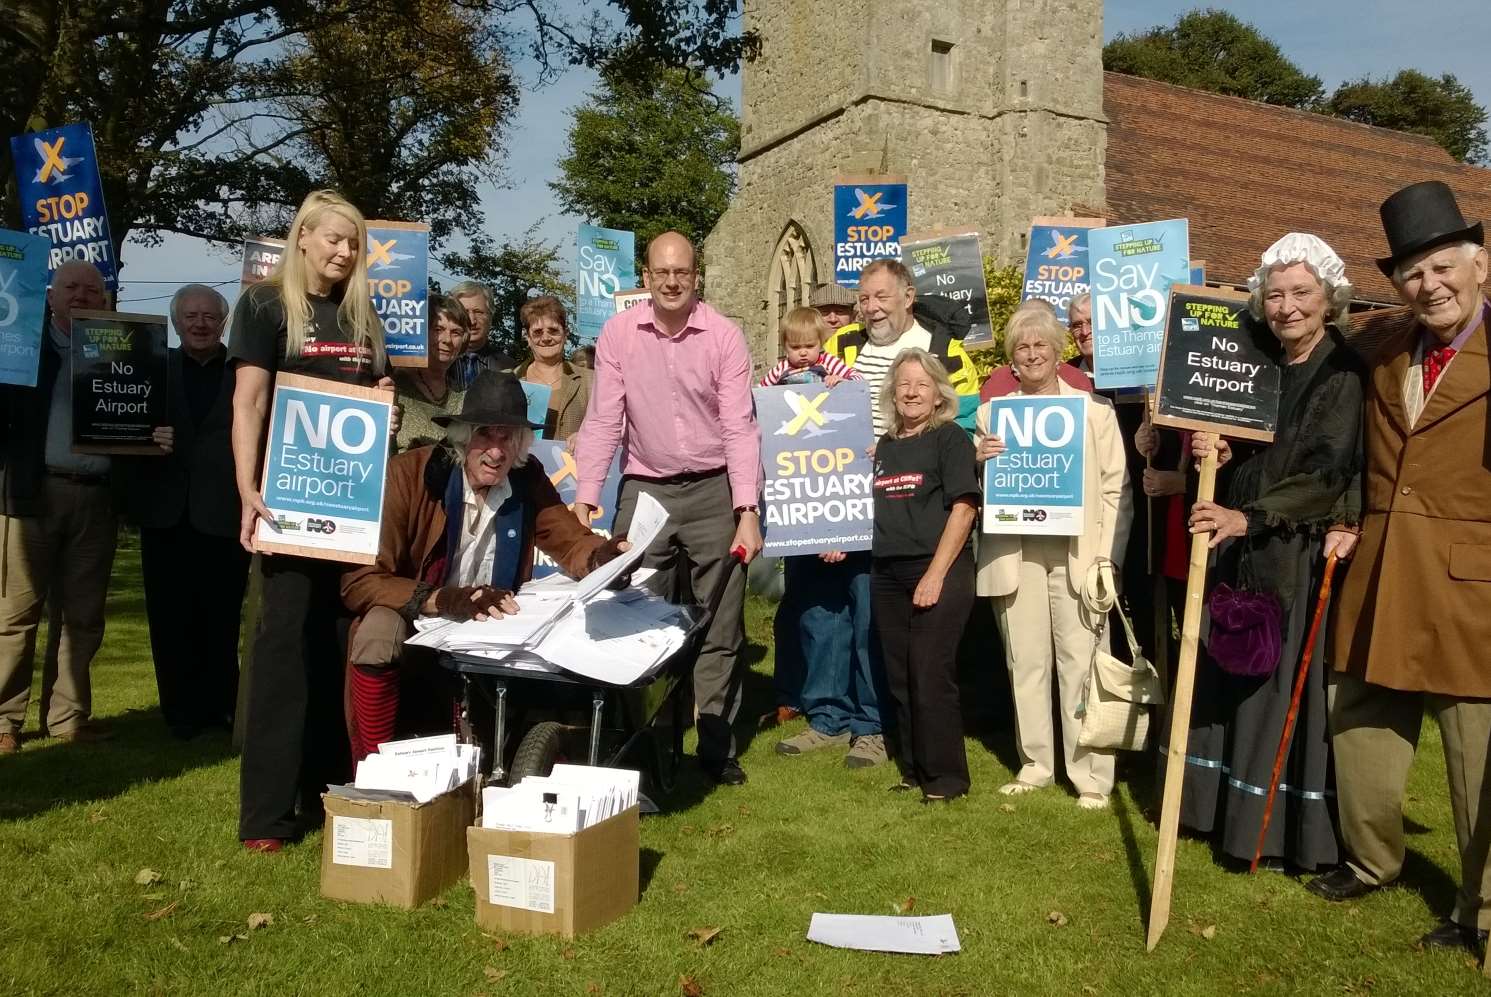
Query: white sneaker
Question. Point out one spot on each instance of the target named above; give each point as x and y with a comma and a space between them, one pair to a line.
1092, 801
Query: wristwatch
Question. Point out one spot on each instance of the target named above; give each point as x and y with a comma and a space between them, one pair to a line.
747, 508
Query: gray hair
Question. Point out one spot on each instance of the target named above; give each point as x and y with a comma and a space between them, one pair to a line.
186, 291
1085, 298
1037, 316
1337, 297
945, 412
458, 438
1467, 249
467, 288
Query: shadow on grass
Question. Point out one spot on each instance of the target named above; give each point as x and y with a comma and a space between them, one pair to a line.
55, 773
1138, 874
1434, 884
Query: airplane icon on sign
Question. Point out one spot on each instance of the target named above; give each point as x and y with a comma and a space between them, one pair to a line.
806, 417
1062, 246
382, 256
54, 165
869, 205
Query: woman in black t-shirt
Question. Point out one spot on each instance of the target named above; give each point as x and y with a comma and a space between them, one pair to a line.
921, 583
311, 316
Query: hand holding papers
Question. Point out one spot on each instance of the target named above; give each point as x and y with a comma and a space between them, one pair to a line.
648, 521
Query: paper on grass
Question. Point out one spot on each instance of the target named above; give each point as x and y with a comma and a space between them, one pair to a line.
934, 935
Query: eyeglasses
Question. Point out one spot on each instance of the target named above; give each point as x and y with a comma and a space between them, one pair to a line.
675, 274
1083, 324
541, 335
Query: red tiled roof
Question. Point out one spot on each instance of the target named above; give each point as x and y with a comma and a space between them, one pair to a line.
1245, 173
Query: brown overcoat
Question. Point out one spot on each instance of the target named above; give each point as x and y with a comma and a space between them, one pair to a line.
413, 536
1414, 611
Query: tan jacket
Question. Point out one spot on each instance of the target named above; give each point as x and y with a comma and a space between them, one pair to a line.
573, 399
1414, 611
1107, 507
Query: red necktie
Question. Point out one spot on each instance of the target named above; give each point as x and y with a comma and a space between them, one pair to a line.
1435, 360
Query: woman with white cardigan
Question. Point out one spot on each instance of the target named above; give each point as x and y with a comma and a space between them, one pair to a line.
1036, 582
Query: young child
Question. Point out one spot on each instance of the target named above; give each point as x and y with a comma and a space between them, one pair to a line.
803, 334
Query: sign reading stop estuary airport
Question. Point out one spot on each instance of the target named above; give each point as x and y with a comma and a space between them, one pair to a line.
1217, 374
951, 264
23, 305
564, 475
1035, 486
1056, 264
324, 467
62, 196
605, 263
869, 222
1133, 269
118, 382
399, 284
815, 445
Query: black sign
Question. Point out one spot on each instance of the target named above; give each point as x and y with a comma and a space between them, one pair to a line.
952, 266
1219, 371
118, 381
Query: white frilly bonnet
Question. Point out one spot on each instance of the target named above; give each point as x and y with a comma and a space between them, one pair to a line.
1301, 247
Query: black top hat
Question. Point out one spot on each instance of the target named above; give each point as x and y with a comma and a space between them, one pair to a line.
495, 398
1422, 216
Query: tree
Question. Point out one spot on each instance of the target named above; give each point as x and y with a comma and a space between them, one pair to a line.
650, 153
514, 271
1443, 109
1212, 50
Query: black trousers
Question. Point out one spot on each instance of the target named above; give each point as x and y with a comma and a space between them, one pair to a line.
194, 585
920, 650
295, 735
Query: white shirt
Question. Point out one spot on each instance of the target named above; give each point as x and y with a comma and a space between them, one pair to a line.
477, 546
873, 363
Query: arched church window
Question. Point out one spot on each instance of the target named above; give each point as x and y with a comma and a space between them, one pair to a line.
791, 278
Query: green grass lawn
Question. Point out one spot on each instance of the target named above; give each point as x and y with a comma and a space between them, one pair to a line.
78, 823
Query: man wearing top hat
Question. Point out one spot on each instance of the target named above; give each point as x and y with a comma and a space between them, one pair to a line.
460, 523
1413, 617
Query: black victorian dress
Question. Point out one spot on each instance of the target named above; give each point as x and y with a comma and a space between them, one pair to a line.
1291, 491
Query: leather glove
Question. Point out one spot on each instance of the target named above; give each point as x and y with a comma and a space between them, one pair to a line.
463, 602
608, 551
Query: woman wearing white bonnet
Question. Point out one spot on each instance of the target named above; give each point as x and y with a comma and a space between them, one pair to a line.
1275, 505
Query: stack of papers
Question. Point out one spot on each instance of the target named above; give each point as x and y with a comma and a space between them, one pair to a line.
568, 800
875, 933
582, 627
421, 768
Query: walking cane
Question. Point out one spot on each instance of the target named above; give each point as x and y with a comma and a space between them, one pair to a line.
1293, 714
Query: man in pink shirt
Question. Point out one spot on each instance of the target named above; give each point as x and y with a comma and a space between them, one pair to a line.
673, 383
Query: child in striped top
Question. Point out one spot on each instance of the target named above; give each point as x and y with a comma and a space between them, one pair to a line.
803, 334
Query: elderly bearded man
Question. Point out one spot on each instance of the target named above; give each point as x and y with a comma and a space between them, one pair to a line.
1413, 619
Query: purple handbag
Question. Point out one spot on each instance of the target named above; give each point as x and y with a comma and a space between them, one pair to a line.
1246, 636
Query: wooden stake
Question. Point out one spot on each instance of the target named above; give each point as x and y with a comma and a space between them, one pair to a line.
1180, 715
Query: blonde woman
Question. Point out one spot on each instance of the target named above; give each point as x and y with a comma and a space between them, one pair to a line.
1037, 582
921, 579
311, 316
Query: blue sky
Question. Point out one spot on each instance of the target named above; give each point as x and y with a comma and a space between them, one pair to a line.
1334, 39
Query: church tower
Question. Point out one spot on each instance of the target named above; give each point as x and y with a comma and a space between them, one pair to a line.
992, 109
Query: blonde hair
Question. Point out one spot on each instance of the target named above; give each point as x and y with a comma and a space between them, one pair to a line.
947, 411
1037, 316
355, 313
803, 320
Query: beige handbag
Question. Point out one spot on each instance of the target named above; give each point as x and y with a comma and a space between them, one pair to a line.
1115, 711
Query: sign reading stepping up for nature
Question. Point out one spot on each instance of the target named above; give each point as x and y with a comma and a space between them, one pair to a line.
118, 382
399, 284
951, 264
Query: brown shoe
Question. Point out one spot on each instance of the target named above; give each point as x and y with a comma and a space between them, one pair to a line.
86, 734
9, 744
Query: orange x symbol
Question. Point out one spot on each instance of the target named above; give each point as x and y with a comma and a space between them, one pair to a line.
380, 251
52, 161
568, 471
1062, 245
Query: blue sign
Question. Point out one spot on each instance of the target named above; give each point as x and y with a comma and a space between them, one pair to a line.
23, 305
815, 444
1036, 485
1133, 268
559, 464
327, 454
869, 221
399, 284
538, 404
1056, 264
605, 262
62, 196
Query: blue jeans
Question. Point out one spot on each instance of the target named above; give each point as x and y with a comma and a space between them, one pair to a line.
843, 678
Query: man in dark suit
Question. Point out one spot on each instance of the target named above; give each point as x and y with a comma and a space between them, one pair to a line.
186, 505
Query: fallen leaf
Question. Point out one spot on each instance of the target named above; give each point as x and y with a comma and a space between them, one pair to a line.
680, 887
308, 919
439, 903
744, 810
257, 921
97, 817
720, 830
1209, 932
781, 951
186, 884
593, 987
904, 907
156, 915
154, 896
147, 877
494, 974
500, 944
687, 829
1006, 808
1056, 918
690, 987
567, 954
704, 936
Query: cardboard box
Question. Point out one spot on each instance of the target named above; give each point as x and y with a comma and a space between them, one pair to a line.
555, 884
395, 853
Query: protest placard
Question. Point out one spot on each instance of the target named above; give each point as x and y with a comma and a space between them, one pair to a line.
951, 264
1217, 371
23, 305
119, 382
869, 221
324, 467
605, 263
260, 257
631, 296
1035, 487
1056, 260
815, 445
399, 284
62, 196
564, 475
1133, 267
538, 408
